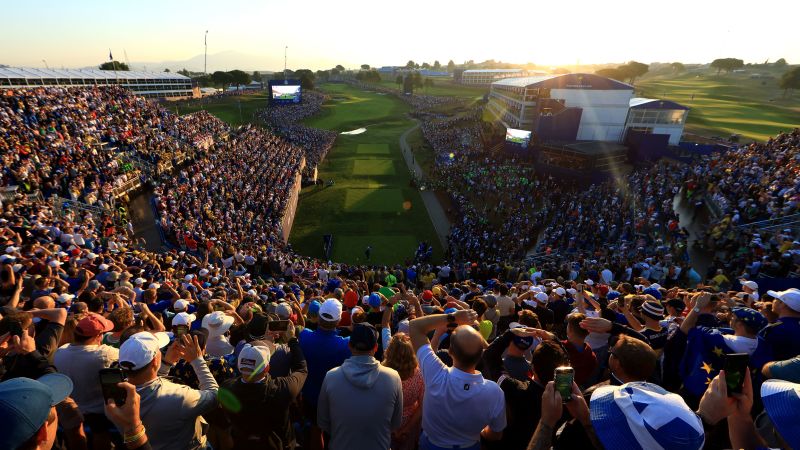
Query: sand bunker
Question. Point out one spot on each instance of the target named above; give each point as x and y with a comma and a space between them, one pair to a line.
357, 131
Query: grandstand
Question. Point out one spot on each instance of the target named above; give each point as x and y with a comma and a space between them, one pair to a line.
582, 107
145, 84
487, 76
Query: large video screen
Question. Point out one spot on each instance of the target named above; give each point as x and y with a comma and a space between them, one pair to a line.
518, 137
284, 91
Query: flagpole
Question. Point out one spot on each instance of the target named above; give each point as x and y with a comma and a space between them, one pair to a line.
284, 62
205, 55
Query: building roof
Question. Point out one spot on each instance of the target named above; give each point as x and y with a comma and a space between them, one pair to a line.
566, 81
493, 70
654, 103
96, 74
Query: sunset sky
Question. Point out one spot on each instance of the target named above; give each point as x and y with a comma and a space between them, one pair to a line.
323, 33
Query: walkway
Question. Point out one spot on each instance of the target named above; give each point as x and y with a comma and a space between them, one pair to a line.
144, 222
435, 211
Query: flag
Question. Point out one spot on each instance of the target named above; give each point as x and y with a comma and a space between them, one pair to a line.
110, 56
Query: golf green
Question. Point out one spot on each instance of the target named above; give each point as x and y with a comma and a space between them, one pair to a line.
370, 200
372, 167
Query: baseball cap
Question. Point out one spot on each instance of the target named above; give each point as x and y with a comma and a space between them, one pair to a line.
541, 297
253, 359
93, 325
64, 298
257, 327
654, 310
427, 295
523, 343
217, 323
180, 305
351, 298
313, 308
560, 291
653, 292
749, 284
374, 300
183, 318
25, 405
644, 415
331, 310
751, 317
283, 310
140, 349
364, 337
790, 296
781, 402
589, 282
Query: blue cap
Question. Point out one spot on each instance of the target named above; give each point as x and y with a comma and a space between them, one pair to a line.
653, 292
450, 310
25, 405
750, 317
374, 300
613, 295
313, 308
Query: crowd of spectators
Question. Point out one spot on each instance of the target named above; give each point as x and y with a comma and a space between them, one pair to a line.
233, 341
285, 121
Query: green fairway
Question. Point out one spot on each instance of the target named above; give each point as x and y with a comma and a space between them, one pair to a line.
373, 166
444, 88
373, 149
370, 202
725, 104
235, 110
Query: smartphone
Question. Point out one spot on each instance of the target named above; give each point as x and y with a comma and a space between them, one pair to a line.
563, 378
181, 330
735, 371
279, 326
108, 382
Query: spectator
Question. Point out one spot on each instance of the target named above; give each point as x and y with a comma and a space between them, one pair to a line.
399, 355
27, 408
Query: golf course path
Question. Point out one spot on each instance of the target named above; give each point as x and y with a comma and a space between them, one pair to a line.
438, 217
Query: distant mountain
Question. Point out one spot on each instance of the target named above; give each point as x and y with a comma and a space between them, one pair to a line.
227, 60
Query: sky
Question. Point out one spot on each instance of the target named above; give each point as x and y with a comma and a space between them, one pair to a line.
322, 33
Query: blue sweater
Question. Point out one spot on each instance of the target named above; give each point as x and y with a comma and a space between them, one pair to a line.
323, 350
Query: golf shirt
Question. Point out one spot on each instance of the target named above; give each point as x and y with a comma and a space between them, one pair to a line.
458, 405
323, 350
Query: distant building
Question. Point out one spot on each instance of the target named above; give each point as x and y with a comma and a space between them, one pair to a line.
489, 76
652, 116
145, 84
434, 73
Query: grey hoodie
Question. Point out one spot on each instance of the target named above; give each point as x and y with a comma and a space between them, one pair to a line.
360, 403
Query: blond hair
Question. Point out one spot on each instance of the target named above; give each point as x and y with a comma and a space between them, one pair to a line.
399, 355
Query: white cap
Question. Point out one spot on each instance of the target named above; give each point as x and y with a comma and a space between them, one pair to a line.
64, 298
183, 318
139, 281
253, 359
531, 303
572, 291
180, 305
790, 296
513, 325
541, 297
203, 272
331, 310
217, 323
560, 291
102, 267
283, 310
750, 284
140, 349
54, 263
589, 282
655, 286
11, 249
189, 277
154, 286
91, 255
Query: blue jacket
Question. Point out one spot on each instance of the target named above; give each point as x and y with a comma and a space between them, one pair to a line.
323, 350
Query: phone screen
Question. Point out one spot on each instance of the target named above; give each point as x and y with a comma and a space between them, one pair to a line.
278, 325
180, 330
563, 381
735, 368
108, 382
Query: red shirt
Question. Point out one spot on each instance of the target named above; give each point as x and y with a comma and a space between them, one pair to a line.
583, 361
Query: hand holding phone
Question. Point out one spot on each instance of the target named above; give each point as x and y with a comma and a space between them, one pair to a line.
736, 366
109, 380
564, 376
181, 330
278, 326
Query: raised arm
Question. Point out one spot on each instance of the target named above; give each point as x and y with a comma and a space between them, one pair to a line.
420, 327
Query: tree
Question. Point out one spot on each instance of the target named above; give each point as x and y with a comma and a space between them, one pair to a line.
781, 63
451, 66
365, 67
790, 80
114, 65
633, 70
611, 72
417, 80
399, 81
220, 78
410, 64
436, 65
166, 70
727, 64
678, 67
307, 81
239, 77
428, 82
340, 68
408, 84
426, 65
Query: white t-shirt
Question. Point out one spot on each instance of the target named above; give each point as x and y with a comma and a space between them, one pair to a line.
458, 405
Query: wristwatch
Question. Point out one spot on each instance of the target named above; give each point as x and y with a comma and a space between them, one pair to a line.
696, 309
451, 321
